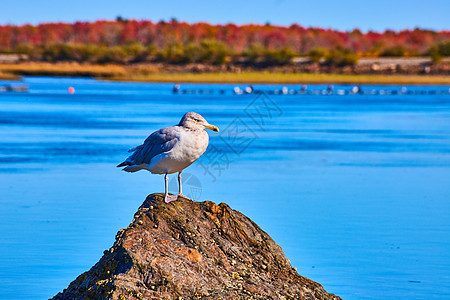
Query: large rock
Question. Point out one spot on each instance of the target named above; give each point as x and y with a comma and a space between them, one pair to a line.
187, 250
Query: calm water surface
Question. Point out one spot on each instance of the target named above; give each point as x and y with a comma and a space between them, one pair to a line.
355, 188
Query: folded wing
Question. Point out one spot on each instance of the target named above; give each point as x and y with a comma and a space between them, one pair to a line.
158, 142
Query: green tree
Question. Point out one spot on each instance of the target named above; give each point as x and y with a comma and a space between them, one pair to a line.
214, 52
114, 54
434, 54
173, 53
316, 54
278, 57
397, 51
254, 54
444, 48
258, 55
341, 57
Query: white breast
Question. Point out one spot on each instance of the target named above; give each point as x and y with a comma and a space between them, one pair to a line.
190, 146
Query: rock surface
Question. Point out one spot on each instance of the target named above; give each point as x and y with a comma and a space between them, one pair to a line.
192, 250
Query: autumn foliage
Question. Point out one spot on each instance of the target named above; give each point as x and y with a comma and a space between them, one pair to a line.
124, 41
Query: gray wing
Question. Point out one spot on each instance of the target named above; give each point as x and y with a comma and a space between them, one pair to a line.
158, 142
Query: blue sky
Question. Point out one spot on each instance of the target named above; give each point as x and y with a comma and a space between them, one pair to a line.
344, 14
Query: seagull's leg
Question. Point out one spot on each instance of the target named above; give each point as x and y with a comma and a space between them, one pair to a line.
179, 184
166, 192
168, 198
180, 192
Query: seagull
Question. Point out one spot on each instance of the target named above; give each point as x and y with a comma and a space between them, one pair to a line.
171, 149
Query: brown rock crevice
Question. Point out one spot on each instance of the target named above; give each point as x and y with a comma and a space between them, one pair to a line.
187, 250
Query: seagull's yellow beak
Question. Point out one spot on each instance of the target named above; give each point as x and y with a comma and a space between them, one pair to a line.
212, 127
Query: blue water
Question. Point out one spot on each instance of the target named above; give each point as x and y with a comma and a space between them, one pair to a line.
355, 188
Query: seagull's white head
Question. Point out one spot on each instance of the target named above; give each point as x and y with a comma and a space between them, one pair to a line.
193, 120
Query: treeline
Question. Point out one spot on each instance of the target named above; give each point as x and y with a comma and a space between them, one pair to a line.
207, 51
125, 41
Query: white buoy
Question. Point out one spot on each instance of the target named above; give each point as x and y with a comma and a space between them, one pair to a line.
237, 90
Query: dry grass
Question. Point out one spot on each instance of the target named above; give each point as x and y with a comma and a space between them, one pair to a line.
8, 76
63, 69
151, 73
283, 78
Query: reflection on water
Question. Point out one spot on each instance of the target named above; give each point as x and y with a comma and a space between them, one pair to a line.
355, 188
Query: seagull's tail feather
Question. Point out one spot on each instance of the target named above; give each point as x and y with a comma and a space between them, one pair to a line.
134, 168
125, 163
131, 167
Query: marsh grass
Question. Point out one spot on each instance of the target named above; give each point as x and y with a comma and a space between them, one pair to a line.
8, 76
63, 69
282, 78
150, 73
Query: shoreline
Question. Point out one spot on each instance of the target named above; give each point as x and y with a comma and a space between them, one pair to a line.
283, 78
150, 73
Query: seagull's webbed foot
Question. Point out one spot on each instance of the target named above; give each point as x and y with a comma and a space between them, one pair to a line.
170, 198
183, 196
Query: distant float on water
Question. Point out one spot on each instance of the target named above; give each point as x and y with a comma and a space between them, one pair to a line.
329, 90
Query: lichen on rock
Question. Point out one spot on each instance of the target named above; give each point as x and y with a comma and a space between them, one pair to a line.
187, 250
